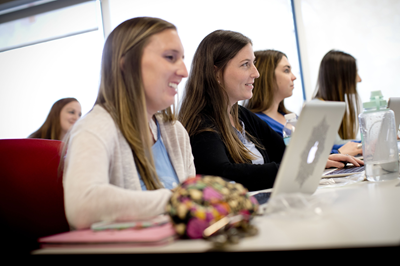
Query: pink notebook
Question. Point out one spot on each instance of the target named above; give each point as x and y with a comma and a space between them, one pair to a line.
157, 235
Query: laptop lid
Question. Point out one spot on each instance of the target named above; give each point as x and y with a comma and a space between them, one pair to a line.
305, 157
394, 105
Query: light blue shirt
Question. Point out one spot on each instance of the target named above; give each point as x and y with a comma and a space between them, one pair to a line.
249, 145
165, 171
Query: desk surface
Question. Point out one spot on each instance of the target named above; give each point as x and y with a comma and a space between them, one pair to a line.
361, 215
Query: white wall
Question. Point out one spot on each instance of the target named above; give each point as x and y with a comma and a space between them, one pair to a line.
34, 77
269, 24
367, 29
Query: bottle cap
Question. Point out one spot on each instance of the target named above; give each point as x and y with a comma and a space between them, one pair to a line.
376, 102
290, 116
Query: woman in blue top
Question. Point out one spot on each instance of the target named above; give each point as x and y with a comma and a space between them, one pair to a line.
274, 85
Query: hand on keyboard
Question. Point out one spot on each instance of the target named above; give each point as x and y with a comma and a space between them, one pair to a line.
336, 160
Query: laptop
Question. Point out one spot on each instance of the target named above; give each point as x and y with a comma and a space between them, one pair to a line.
346, 171
394, 105
305, 157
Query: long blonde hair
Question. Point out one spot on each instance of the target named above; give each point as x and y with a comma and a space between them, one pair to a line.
206, 99
337, 82
121, 90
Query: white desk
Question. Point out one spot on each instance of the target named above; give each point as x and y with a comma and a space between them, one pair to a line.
362, 215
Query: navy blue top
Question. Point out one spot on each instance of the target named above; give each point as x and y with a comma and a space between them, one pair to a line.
278, 127
275, 125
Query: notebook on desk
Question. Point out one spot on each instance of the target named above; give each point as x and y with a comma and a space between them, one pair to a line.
105, 234
305, 157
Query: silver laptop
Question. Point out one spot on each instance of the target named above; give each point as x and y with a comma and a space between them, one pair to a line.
305, 157
394, 105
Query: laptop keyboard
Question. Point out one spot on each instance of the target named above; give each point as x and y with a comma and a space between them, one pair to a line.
262, 197
347, 170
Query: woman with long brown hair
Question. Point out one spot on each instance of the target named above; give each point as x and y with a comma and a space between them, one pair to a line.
337, 81
276, 83
227, 139
124, 157
270, 90
62, 116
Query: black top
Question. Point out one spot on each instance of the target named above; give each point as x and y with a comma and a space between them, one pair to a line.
211, 156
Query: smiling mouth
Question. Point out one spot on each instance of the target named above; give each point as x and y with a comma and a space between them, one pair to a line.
173, 85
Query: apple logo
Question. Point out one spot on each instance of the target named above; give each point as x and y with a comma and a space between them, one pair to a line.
313, 151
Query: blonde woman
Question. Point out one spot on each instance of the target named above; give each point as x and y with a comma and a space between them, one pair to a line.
126, 155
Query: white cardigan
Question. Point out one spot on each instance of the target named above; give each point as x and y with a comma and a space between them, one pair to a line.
101, 182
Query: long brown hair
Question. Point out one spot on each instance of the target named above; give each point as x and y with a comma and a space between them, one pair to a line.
206, 99
121, 90
337, 82
265, 86
51, 128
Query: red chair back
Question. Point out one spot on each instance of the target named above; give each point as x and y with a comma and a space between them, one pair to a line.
31, 191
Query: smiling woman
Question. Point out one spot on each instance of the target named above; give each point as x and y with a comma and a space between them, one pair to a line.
69, 115
126, 155
162, 77
239, 75
62, 116
227, 139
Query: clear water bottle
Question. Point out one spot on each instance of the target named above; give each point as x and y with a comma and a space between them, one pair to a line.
289, 128
379, 137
